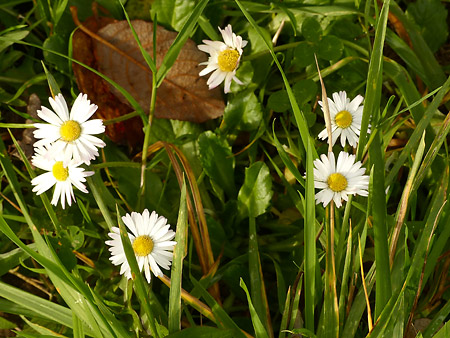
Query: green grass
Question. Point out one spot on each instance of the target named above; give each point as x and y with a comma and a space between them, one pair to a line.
256, 256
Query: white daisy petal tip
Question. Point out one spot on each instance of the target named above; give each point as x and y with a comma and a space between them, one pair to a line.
224, 58
71, 130
338, 180
346, 118
58, 174
152, 247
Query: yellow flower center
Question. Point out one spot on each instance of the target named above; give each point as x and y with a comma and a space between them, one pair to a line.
344, 119
59, 172
228, 60
143, 245
70, 131
337, 182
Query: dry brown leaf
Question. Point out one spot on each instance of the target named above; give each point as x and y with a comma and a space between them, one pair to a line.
109, 106
182, 96
109, 46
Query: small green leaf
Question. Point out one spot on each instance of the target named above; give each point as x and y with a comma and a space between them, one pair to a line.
74, 236
256, 192
172, 13
279, 101
55, 43
304, 91
243, 111
218, 161
6, 324
330, 48
431, 17
12, 36
304, 54
311, 29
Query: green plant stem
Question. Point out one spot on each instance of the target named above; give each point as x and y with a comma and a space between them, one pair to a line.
146, 141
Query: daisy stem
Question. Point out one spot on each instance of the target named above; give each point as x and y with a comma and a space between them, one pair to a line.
146, 141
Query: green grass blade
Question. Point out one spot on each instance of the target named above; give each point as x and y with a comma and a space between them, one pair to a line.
437, 321
374, 80
330, 311
77, 327
174, 322
52, 84
260, 330
379, 212
178, 43
418, 131
353, 319
150, 62
298, 114
285, 317
432, 152
258, 289
127, 95
48, 207
102, 196
310, 241
42, 330
344, 281
42, 307
223, 320
444, 332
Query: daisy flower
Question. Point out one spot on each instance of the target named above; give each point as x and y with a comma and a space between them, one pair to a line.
224, 58
345, 118
63, 177
151, 240
71, 134
338, 180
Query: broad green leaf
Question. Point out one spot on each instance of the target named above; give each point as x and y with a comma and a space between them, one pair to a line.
304, 54
218, 161
278, 101
330, 48
311, 29
11, 37
256, 192
55, 43
6, 324
243, 111
304, 91
431, 17
172, 13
